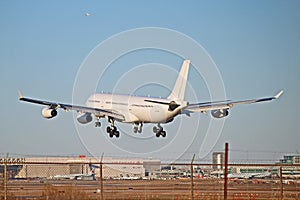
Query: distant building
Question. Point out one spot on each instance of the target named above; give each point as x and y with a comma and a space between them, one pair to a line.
290, 171
218, 159
151, 166
46, 167
290, 159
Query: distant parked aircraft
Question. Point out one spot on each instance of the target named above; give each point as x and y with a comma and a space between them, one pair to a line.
251, 175
88, 176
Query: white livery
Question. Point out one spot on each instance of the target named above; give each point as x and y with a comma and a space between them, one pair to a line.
89, 176
139, 110
266, 174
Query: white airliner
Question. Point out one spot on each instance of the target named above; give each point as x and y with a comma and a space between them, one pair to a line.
266, 174
89, 176
139, 110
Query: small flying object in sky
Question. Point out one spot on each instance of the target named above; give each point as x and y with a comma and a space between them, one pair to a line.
138, 110
87, 14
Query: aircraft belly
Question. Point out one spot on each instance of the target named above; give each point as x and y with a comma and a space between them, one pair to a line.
130, 117
157, 114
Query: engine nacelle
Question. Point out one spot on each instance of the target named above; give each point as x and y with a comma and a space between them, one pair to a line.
49, 113
173, 105
84, 118
220, 113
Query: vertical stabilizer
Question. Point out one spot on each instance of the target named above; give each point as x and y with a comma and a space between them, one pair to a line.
180, 85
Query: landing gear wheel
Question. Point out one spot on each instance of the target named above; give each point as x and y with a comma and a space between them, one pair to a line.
159, 131
138, 127
97, 124
112, 131
111, 134
117, 134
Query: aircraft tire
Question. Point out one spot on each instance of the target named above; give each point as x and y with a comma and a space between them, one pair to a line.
97, 124
111, 134
117, 134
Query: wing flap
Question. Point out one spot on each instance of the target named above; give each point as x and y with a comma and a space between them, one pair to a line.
95, 111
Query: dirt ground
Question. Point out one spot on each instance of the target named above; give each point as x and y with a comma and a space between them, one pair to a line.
147, 189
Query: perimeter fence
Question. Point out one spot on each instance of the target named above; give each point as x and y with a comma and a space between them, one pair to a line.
89, 179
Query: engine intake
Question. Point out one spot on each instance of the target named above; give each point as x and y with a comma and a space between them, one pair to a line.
220, 113
173, 105
49, 113
84, 118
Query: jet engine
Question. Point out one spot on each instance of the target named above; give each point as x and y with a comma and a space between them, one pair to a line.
49, 113
84, 118
220, 113
173, 105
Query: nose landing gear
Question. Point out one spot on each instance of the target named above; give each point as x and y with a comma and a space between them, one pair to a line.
97, 122
138, 127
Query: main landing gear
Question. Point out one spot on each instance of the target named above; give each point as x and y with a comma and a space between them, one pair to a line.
159, 131
112, 130
138, 127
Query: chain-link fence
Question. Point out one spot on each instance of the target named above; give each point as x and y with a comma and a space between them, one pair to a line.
150, 179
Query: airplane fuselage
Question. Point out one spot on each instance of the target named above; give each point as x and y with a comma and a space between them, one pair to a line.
136, 108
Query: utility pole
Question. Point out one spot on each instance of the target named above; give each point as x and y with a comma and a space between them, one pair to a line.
226, 171
192, 178
281, 183
101, 177
5, 179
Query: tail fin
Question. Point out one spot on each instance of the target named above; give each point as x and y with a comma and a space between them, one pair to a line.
180, 85
92, 169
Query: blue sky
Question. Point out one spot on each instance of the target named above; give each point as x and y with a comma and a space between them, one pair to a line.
255, 44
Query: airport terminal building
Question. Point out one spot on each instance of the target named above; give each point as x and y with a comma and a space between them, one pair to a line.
47, 167
130, 168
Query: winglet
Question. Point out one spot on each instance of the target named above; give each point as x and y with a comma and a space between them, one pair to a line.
20, 94
278, 94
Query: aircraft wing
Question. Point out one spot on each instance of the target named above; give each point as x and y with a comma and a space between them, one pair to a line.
81, 109
217, 105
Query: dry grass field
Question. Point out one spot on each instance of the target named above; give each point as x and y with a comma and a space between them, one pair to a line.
147, 189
